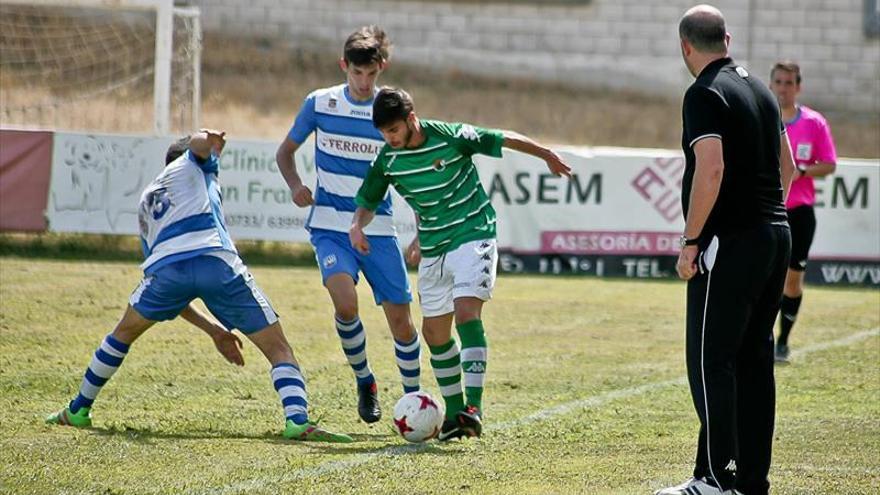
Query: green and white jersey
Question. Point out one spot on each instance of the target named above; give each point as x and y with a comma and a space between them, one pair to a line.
440, 182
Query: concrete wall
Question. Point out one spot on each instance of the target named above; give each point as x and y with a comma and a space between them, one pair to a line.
630, 44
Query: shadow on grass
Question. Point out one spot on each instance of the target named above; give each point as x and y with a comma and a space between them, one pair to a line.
432, 447
147, 435
364, 443
95, 247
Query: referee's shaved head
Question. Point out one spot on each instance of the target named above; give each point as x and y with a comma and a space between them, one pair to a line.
703, 27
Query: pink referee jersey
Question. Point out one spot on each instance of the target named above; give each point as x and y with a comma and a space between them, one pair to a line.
811, 142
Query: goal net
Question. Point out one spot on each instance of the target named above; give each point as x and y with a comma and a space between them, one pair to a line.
121, 66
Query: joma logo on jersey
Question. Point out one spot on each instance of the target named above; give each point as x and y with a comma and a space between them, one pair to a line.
439, 165
467, 131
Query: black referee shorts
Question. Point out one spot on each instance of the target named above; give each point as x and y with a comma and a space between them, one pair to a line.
803, 226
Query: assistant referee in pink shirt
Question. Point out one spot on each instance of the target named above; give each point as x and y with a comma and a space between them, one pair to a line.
814, 155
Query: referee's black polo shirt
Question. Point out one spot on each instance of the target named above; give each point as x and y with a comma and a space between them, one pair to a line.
729, 103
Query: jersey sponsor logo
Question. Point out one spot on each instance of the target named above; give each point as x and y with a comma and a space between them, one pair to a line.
467, 131
360, 113
349, 147
804, 151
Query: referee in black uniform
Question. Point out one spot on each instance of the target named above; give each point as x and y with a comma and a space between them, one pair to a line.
735, 251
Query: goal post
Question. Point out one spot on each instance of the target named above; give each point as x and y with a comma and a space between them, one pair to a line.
113, 55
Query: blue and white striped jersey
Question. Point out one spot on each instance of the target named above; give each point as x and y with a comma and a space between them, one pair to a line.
180, 213
345, 144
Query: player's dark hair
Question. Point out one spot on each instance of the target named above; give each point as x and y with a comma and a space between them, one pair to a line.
391, 105
787, 66
367, 45
177, 148
705, 30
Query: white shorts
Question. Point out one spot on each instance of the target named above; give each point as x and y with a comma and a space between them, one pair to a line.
467, 271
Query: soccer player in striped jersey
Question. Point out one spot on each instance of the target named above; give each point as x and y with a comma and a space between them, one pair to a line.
189, 254
429, 163
345, 144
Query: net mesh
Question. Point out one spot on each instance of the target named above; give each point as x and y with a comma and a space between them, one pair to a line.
89, 69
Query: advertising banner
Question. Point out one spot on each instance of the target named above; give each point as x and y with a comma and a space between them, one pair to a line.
25, 160
619, 214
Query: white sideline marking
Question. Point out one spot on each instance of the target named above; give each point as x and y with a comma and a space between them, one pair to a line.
586, 403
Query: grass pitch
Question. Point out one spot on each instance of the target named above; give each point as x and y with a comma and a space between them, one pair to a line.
585, 394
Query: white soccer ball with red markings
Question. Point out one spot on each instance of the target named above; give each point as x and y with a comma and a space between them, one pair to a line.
418, 417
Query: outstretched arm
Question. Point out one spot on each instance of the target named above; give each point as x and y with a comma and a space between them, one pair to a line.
524, 144
227, 343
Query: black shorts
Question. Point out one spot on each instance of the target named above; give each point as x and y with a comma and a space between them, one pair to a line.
803, 226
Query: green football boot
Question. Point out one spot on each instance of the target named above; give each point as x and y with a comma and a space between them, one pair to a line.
82, 418
311, 432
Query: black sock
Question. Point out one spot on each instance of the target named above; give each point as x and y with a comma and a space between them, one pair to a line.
788, 311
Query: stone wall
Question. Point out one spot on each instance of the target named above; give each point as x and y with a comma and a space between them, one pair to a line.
627, 44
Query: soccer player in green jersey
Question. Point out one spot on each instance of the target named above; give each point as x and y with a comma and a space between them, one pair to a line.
429, 163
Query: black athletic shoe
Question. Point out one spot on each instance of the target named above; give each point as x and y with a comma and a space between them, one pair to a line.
470, 421
368, 403
780, 354
450, 430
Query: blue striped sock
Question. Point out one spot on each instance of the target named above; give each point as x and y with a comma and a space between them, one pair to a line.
408, 355
291, 387
354, 345
107, 359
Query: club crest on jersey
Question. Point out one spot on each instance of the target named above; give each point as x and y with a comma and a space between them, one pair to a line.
439, 165
329, 261
331, 103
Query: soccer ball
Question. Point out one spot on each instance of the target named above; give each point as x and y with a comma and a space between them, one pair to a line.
418, 417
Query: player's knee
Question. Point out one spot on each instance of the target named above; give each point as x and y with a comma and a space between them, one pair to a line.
467, 309
435, 335
272, 343
281, 353
347, 311
466, 314
131, 326
402, 327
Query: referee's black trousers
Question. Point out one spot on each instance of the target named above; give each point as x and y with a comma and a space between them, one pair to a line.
731, 311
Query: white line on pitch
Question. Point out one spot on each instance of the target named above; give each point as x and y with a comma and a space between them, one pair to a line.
586, 403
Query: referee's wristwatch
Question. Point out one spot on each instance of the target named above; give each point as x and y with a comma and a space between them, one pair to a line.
684, 241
